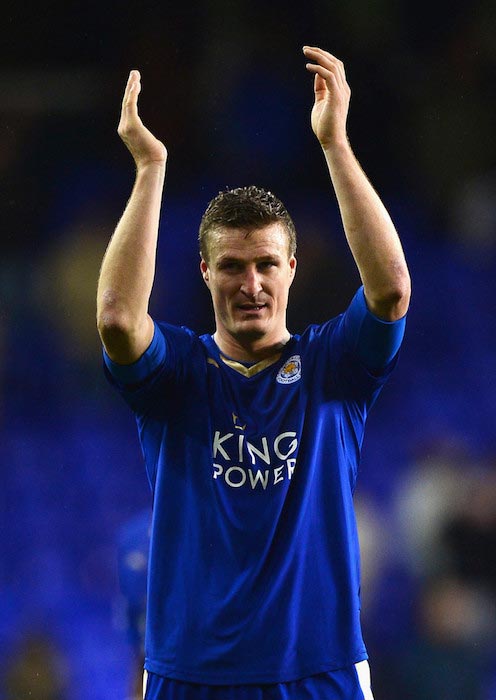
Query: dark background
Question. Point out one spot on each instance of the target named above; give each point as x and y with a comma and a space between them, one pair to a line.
225, 88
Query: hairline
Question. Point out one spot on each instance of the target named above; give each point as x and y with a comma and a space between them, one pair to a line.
248, 230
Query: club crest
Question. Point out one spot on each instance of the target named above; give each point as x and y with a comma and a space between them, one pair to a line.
291, 371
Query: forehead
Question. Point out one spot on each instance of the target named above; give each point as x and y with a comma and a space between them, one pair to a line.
272, 240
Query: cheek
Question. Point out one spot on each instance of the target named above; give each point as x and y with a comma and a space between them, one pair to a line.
283, 290
220, 295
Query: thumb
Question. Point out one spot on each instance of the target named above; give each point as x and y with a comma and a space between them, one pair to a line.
319, 86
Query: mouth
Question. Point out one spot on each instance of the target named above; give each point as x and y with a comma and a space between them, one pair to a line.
252, 309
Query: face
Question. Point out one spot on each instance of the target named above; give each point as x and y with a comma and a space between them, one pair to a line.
249, 275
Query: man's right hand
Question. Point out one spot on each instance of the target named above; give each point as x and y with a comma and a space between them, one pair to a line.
144, 147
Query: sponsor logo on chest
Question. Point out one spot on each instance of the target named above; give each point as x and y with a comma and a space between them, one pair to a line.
239, 461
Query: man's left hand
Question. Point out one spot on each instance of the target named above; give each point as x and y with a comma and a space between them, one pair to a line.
332, 97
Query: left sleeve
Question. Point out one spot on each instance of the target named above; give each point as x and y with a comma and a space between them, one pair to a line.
374, 342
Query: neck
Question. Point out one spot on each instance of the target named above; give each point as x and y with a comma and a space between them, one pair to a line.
249, 350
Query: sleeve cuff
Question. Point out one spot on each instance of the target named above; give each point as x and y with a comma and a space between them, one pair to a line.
138, 371
374, 340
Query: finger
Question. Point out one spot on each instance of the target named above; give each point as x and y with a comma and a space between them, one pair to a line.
315, 50
327, 60
324, 58
319, 86
133, 88
129, 119
328, 76
330, 73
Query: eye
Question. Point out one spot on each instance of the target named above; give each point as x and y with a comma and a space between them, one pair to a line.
229, 266
266, 264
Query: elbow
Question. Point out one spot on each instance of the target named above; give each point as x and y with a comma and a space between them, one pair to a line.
114, 334
113, 321
393, 300
118, 337
400, 302
125, 329
110, 326
401, 289
125, 332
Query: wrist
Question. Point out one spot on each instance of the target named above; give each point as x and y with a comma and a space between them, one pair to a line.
336, 146
151, 163
151, 168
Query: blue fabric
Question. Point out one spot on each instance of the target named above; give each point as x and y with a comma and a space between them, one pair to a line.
142, 368
375, 341
254, 565
336, 685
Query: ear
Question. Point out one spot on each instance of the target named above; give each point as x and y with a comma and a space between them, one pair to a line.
292, 268
205, 272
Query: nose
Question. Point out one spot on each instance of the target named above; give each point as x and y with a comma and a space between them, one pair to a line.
251, 284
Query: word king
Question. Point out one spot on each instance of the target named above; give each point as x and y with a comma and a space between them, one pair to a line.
260, 463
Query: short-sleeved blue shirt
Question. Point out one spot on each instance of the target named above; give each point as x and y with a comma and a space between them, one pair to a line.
254, 562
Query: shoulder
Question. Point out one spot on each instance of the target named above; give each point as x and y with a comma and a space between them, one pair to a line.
174, 352
322, 335
177, 334
185, 350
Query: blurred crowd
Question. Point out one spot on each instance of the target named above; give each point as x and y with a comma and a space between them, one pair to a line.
224, 86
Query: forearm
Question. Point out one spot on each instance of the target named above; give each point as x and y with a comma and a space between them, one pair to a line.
128, 269
371, 235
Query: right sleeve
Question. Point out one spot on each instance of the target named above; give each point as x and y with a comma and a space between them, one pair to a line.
156, 377
147, 365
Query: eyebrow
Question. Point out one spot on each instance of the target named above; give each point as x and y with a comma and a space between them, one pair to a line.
261, 258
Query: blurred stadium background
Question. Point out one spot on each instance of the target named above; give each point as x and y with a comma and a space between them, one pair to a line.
224, 85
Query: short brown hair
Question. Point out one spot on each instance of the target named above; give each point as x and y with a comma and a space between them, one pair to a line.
245, 208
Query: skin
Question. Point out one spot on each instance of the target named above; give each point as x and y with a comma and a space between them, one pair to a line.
249, 275
128, 267
127, 272
370, 233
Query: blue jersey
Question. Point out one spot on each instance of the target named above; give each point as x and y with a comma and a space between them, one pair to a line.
254, 562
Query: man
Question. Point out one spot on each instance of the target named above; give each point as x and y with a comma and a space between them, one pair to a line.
252, 436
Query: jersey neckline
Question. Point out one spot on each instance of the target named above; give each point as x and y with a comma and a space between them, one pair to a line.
245, 369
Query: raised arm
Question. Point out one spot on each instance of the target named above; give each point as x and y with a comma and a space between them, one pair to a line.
128, 267
369, 230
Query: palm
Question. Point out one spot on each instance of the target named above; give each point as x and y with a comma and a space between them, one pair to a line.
319, 117
143, 145
330, 109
